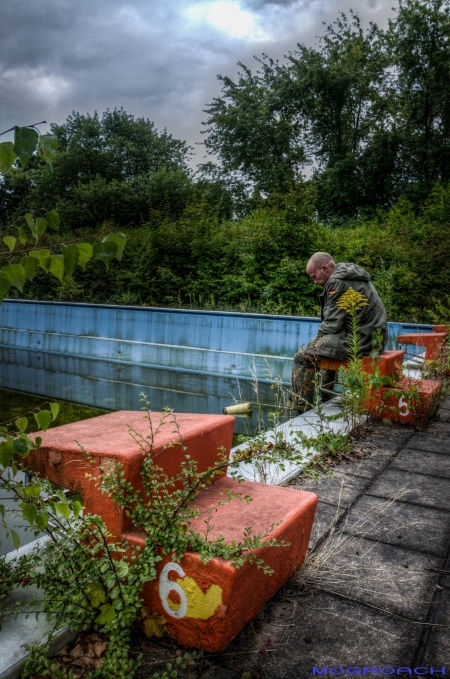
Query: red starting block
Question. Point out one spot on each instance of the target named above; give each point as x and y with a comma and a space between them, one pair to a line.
205, 605
388, 363
411, 401
433, 342
408, 401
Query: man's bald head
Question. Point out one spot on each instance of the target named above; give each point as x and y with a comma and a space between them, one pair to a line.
320, 267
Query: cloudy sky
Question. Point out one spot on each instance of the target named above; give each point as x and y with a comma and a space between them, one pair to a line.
157, 59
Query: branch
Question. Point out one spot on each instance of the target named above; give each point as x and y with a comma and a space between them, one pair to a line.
20, 217
34, 124
55, 245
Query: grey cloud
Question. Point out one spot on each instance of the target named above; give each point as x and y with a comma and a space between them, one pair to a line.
62, 55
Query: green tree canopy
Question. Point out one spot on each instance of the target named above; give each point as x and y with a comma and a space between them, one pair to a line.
115, 167
364, 113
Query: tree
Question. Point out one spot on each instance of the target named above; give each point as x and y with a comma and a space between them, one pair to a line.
252, 131
110, 168
331, 107
420, 35
343, 93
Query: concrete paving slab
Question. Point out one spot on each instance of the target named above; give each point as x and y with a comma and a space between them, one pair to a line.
400, 523
437, 653
435, 443
384, 576
326, 515
439, 427
389, 437
342, 489
216, 672
445, 403
320, 630
422, 462
428, 491
369, 467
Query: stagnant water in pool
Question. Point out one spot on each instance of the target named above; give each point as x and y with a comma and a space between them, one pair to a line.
15, 403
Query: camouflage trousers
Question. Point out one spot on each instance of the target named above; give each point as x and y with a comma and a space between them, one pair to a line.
303, 381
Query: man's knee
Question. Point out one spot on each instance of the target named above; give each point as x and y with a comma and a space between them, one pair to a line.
302, 358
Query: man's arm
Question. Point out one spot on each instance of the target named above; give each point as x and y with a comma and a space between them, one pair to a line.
334, 318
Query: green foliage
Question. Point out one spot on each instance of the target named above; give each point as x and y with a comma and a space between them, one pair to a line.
27, 141
366, 111
60, 265
111, 168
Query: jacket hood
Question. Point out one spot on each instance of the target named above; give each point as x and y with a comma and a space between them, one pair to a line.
350, 271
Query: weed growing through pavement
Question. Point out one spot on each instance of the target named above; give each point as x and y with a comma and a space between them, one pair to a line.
341, 562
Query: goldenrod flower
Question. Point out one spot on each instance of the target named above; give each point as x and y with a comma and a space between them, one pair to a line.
351, 301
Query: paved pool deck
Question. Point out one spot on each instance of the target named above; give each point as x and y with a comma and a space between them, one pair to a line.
381, 601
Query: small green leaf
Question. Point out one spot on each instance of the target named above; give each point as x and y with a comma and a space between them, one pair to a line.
105, 252
22, 235
32, 491
29, 511
38, 441
42, 520
96, 594
10, 242
20, 446
85, 251
120, 240
21, 423
43, 419
63, 508
6, 453
76, 508
107, 614
57, 266
16, 275
30, 266
71, 254
53, 220
31, 223
25, 142
48, 144
41, 227
54, 408
122, 569
16, 539
7, 156
43, 257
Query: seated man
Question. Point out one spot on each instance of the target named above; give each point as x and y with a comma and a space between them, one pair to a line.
330, 340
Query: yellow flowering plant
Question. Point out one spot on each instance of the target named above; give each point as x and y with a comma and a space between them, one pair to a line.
352, 377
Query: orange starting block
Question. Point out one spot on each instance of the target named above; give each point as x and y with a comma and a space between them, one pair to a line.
411, 401
433, 342
407, 401
205, 605
388, 363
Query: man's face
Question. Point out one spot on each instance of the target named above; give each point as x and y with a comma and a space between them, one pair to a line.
319, 275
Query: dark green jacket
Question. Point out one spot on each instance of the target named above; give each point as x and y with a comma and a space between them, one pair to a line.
330, 340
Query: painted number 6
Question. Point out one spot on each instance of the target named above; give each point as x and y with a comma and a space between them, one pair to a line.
166, 586
403, 403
